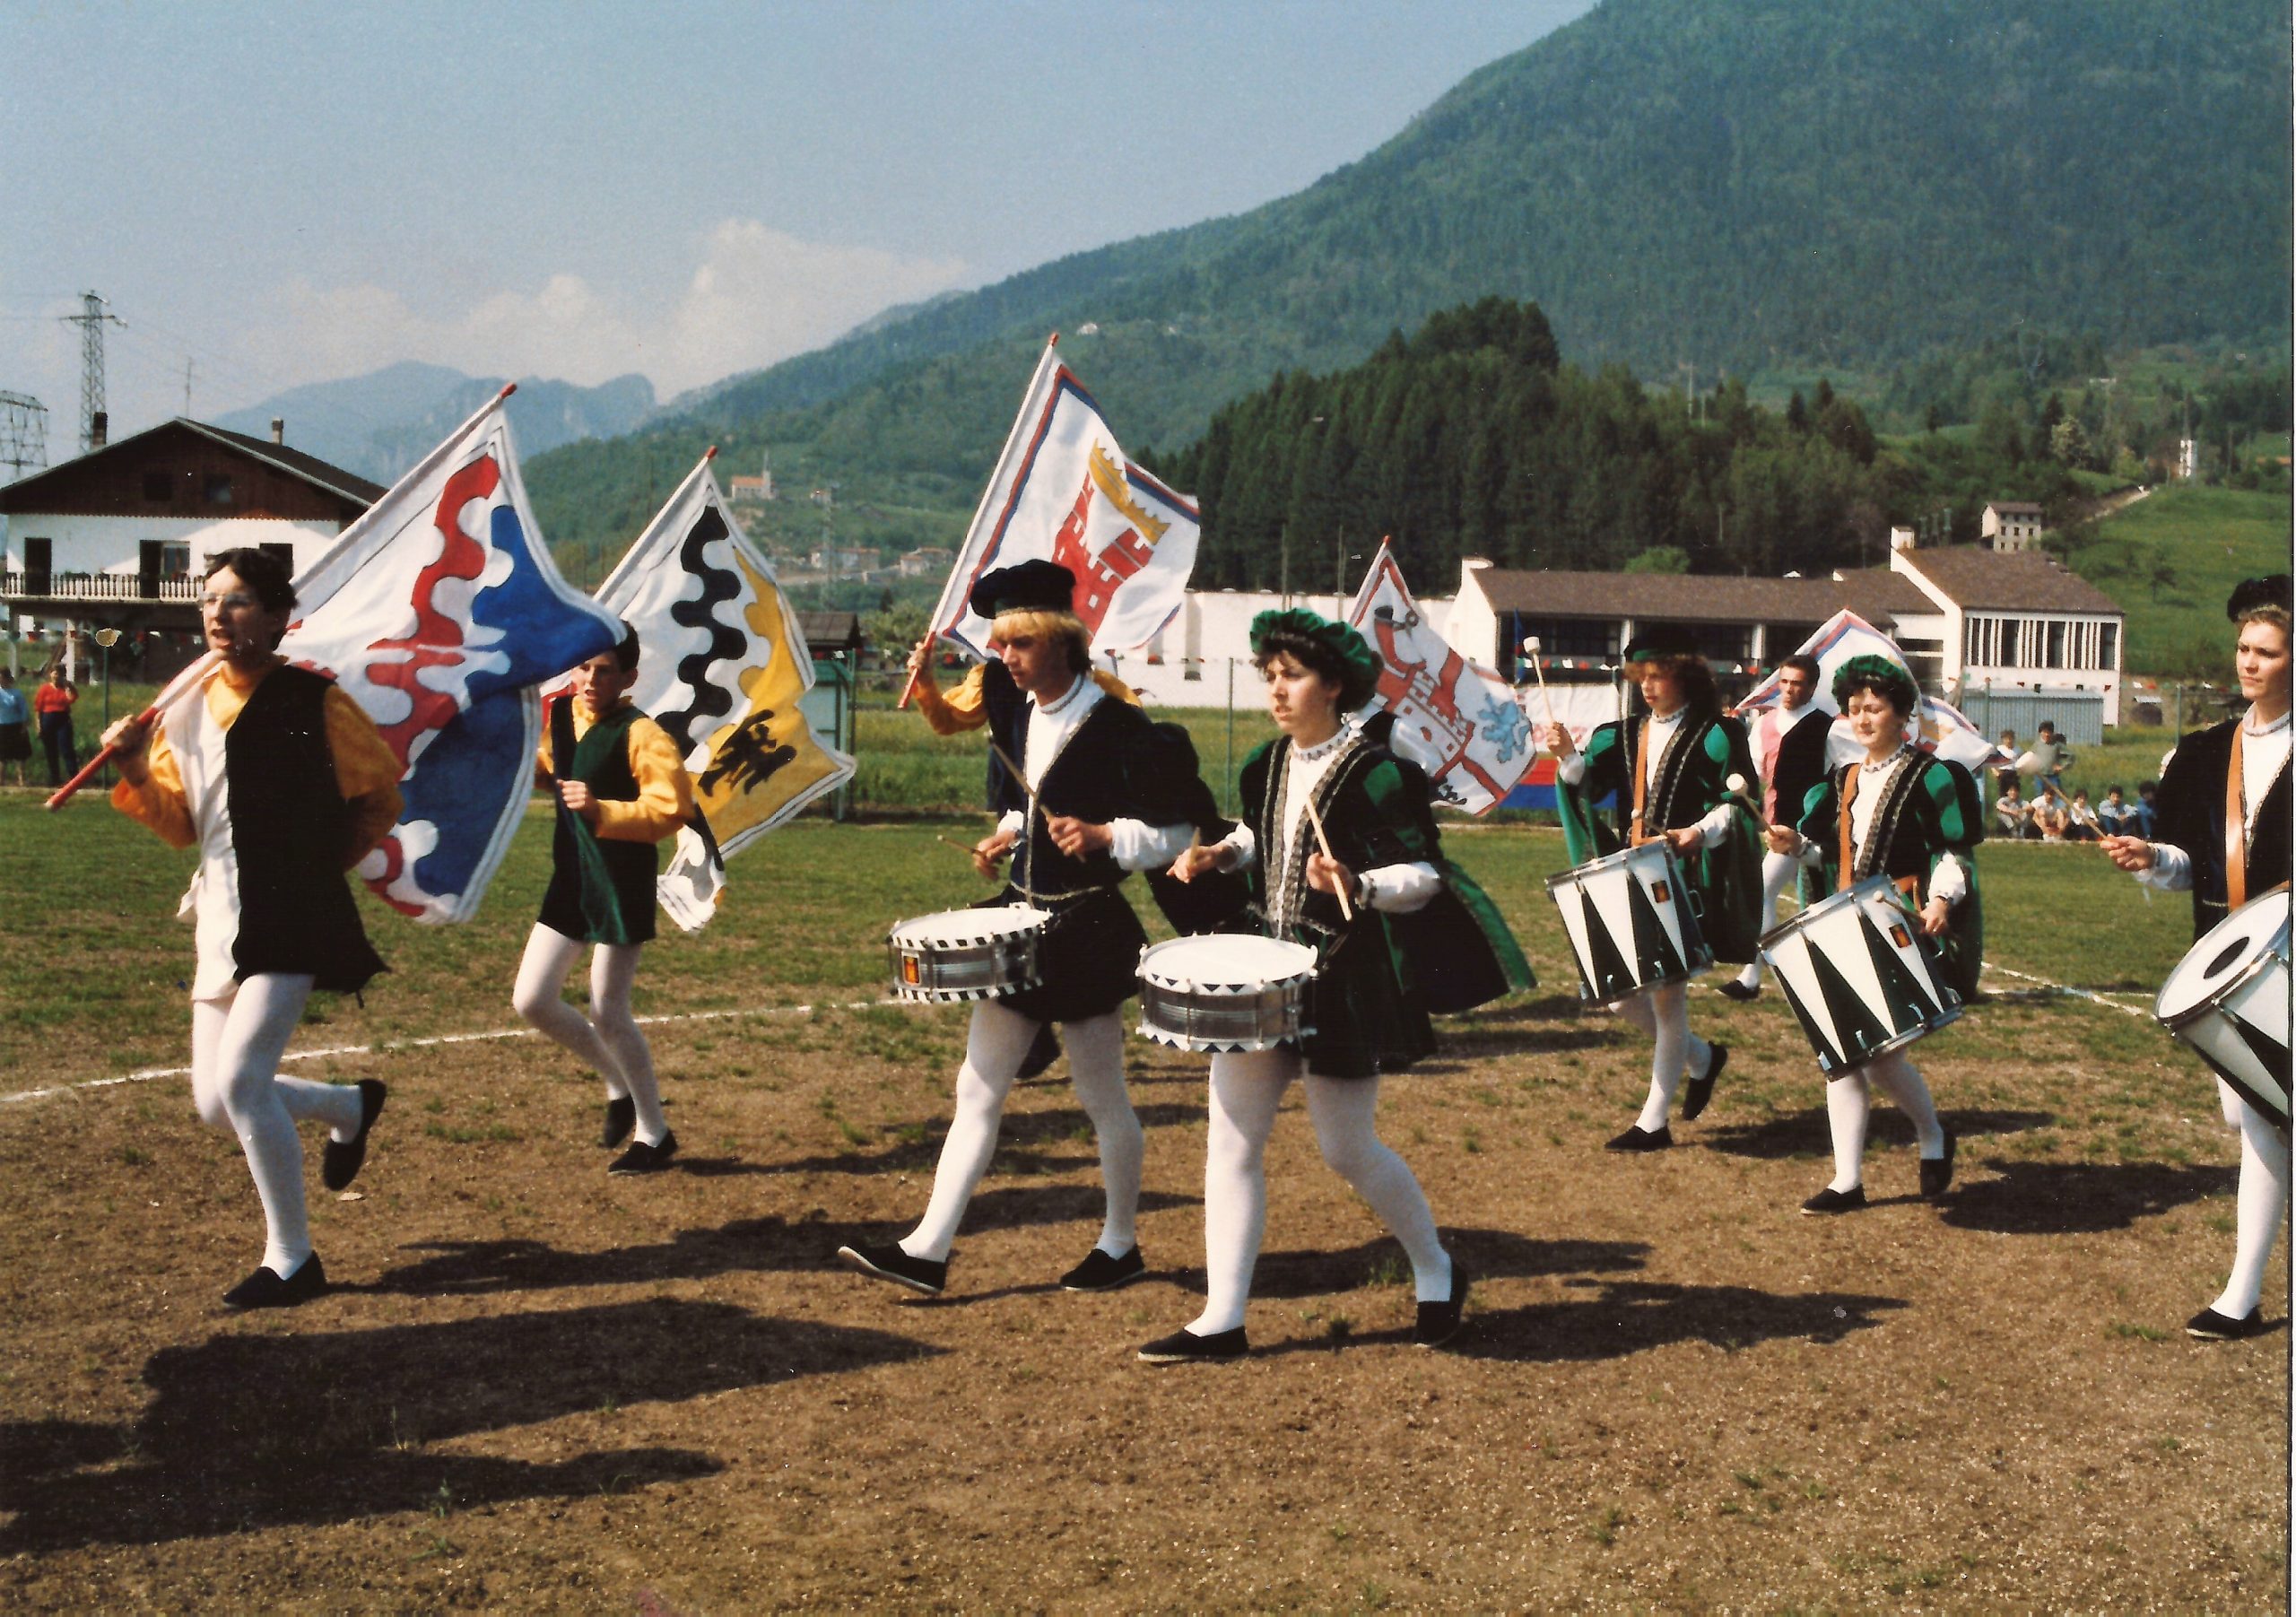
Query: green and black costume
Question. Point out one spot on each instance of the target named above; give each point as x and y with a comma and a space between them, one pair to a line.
601, 890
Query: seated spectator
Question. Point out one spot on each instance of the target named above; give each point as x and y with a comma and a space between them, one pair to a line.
2113, 815
2081, 820
2011, 813
2050, 817
2143, 817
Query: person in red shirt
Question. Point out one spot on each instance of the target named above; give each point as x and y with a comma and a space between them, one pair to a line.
52, 705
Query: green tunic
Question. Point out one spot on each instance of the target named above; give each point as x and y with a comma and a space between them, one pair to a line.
1690, 782
1929, 807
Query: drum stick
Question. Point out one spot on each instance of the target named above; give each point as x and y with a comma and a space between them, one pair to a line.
959, 847
177, 688
1538, 666
1346, 908
1013, 769
1736, 787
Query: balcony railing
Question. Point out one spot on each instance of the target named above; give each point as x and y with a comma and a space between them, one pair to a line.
97, 587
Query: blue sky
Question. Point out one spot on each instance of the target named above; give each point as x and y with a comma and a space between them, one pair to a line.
285, 195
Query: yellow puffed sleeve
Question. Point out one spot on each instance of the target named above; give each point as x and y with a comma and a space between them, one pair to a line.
158, 803
665, 791
950, 713
366, 772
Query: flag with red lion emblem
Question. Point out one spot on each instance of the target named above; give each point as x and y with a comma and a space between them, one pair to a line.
438, 612
1456, 720
1063, 491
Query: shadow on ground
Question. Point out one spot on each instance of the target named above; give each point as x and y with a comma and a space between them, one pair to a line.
1623, 1318
1806, 1133
2065, 1198
247, 1432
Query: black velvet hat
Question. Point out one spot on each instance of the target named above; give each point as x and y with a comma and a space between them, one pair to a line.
1028, 587
2252, 593
1661, 639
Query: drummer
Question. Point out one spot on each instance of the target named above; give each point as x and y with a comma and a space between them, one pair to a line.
1788, 742
1670, 770
1914, 817
1101, 798
2223, 832
1366, 1010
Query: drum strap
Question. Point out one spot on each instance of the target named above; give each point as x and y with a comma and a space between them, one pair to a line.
2236, 826
1847, 865
1635, 835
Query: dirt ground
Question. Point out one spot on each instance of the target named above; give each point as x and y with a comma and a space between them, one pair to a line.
541, 1388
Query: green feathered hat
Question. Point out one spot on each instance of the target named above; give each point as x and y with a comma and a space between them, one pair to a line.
1337, 651
1869, 671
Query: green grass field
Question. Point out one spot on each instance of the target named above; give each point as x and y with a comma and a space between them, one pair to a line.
2171, 558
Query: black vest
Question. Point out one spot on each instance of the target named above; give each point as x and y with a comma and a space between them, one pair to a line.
603, 893
290, 830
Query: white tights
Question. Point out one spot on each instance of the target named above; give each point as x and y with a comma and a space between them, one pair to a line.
236, 1041
1776, 870
2263, 1199
609, 1039
1849, 1103
1664, 1014
995, 1047
1247, 1089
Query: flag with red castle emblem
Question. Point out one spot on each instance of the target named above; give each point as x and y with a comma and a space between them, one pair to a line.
1456, 720
1063, 491
438, 612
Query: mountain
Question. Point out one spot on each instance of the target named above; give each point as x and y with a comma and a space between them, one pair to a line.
1676, 183
381, 423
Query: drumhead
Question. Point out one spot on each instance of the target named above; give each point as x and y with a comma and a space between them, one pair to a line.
970, 925
1224, 959
1821, 913
1617, 863
2234, 947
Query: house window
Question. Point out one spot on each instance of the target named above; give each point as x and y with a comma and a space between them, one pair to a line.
219, 488
2108, 645
175, 560
2056, 653
158, 488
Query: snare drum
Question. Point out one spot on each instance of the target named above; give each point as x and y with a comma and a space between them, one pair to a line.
1632, 922
1861, 976
967, 954
1224, 991
2228, 998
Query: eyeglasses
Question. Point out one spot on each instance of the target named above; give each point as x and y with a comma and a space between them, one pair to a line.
234, 602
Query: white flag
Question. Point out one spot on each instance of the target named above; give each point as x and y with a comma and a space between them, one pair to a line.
1939, 728
1456, 720
724, 670
1063, 491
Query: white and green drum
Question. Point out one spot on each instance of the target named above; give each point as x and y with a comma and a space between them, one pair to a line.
2229, 999
1860, 975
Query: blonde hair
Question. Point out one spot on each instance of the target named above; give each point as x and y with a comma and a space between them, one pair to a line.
1044, 623
2277, 616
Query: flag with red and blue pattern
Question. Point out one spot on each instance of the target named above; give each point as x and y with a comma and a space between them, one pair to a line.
438, 611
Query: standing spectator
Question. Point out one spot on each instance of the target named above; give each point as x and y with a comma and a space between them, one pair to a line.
2012, 812
15, 731
2006, 774
53, 702
2081, 820
2051, 758
2113, 814
2145, 815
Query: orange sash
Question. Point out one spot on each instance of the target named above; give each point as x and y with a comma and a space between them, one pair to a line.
2236, 826
1635, 834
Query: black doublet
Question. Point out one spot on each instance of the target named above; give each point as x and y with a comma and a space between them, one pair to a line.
290, 831
2190, 806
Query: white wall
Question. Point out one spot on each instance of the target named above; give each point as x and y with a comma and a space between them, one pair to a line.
1211, 633
111, 544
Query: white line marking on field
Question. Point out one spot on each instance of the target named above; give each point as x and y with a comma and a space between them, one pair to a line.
2089, 995
147, 1074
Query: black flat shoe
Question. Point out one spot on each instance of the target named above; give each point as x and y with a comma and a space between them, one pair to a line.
1828, 1201
621, 1117
1735, 990
1185, 1347
1438, 1322
340, 1162
643, 1157
889, 1262
2209, 1326
1938, 1172
1639, 1138
1101, 1273
1702, 1089
266, 1289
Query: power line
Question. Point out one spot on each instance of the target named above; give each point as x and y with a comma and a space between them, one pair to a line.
91, 320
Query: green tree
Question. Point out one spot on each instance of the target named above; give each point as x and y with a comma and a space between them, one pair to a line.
1658, 559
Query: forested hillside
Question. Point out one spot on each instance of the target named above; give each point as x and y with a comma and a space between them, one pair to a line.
1676, 183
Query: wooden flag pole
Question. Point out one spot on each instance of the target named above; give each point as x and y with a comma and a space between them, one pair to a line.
177, 688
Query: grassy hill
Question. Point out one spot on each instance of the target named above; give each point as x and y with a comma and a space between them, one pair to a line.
2170, 560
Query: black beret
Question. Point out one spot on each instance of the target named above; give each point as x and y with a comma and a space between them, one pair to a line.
1028, 587
1661, 639
2254, 594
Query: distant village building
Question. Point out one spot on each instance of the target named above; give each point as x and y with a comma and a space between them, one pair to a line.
752, 490
119, 537
844, 560
2187, 459
2010, 526
925, 561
